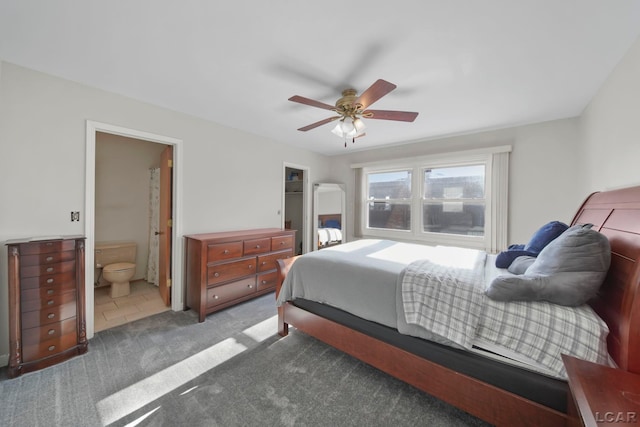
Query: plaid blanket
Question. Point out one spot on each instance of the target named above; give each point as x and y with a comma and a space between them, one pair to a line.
445, 294
538, 333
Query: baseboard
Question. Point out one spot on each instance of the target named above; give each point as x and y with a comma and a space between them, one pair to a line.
4, 359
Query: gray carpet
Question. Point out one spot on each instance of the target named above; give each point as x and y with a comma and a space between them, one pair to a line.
169, 370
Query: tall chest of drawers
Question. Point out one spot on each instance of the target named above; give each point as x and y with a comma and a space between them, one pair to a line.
226, 268
46, 302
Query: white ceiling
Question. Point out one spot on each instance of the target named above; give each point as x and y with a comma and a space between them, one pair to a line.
464, 65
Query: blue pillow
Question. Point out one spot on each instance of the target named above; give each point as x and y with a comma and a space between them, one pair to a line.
541, 238
332, 223
545, 235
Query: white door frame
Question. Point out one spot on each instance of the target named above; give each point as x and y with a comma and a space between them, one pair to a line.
306, 202
177, 302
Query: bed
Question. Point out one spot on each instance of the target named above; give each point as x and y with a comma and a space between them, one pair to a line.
329, 230
500, 393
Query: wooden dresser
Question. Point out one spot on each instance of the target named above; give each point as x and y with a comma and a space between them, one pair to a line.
226, 268
46, 302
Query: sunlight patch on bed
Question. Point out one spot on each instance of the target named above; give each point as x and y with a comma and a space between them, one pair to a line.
402, 253
354, 245
449, 256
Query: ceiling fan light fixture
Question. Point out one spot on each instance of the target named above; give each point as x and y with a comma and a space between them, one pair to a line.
359, 126
349, 128
337, 130
347, 125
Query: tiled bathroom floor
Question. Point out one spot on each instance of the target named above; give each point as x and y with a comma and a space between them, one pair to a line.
143, 301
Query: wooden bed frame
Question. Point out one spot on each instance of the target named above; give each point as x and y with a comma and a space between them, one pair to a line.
616, 214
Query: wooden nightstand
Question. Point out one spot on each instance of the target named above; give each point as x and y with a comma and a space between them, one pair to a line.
601, 396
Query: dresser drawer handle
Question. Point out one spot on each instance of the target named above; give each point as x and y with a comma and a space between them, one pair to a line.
264, 282
257, 246
250, 266
264, 262
49, 280
281, 243
49, 243
49, 269
49, 258
51, 331
52, 347
249, 286
216, 297
51, 315
226, 251
216, 274
49, 291
50, 302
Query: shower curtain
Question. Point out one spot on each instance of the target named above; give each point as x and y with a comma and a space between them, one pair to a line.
154, 225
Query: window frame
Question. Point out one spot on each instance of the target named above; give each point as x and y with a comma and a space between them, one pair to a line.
472, 241
403, 201
496, 181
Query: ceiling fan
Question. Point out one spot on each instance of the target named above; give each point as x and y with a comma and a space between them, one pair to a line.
351, 109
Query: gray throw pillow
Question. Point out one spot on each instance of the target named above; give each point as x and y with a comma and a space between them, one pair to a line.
520, 264
568, 271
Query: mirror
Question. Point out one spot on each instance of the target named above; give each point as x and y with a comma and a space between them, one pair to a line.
329, 216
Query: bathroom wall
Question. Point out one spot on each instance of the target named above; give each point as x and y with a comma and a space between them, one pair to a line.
122, 192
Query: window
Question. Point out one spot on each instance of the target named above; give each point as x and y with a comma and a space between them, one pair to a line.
389, 196
455, 199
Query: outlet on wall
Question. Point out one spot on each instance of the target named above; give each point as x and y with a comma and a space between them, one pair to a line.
75, 216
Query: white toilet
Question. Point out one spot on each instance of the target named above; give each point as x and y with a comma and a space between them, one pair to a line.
118, 263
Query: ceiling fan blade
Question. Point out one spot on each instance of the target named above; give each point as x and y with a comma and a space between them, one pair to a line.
311, 102
320, 123
401, 116
376, 91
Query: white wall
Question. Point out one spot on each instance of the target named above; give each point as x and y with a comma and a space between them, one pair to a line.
610, 128
231, 179
543, 167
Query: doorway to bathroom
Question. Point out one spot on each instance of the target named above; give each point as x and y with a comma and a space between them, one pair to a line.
117, 204
132, 205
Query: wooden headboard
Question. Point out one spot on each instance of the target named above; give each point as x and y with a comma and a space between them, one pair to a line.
616, 214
